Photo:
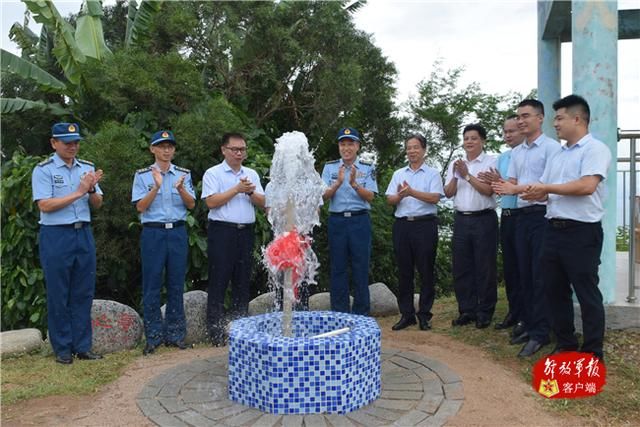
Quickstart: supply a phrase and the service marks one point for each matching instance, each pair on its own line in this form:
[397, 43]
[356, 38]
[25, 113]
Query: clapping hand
[404, 189]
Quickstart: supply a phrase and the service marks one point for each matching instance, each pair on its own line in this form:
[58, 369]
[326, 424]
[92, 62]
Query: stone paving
[416, 391]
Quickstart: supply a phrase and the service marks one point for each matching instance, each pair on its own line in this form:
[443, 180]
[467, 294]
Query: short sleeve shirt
[528, 162]
[52, 178]
[425, 179]
[346, 199]
[587, 157]
[238, 209]
[468, 198]
[168, 205]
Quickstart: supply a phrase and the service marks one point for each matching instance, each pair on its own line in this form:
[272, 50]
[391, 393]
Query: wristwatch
[250, 194]
[92, 190]
[467, 178]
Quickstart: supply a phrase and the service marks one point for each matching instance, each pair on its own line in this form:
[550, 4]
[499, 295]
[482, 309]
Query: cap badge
[165, 134]
[347, 131]
[72, 128]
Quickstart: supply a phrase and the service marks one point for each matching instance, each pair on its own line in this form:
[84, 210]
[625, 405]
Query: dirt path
[494, 396]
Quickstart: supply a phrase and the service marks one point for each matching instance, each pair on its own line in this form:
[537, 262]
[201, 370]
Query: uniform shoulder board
[366, 163]
[143, 170]
[185, 170]
[86, 162]
[332, 161]
[46, 161]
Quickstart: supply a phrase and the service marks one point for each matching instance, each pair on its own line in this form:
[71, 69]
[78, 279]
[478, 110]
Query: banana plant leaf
[24, 38]
[18, 105]
[14, 64]
[89, 34]
[65, 49]
[142, 21]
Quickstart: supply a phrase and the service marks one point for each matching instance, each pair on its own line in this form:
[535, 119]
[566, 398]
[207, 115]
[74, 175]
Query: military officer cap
[66, 132]
[349, 133]
[161, 136]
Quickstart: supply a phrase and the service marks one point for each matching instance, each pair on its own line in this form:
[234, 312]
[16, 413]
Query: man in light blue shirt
[230, 191]
[415, 190]
[528, 161]
[162, 193]
[65, 187]
[573, 185]
[508, 226]
[351, 186]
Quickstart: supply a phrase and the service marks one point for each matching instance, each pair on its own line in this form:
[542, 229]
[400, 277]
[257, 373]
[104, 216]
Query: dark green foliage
[23, 290]
[119, 151]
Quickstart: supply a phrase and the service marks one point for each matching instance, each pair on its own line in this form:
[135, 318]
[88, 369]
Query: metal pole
[632, 220]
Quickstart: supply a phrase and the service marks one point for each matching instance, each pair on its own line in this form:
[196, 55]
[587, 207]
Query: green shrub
[23, 290]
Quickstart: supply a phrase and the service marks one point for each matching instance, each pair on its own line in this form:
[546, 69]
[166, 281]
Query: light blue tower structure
[594, 28]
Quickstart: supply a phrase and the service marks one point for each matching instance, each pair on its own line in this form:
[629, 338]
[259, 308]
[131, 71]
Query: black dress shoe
[518, 329]
[482, 323]
[463, 319]
[404, 322]
[423, 323]
[520, 339]
[558, 350]
[531, 347]
[180, 344]
[64, 359]
[508, 322]
[88, 355]
[149, 349]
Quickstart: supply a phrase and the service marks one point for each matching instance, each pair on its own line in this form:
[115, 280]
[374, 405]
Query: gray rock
[383, 301]
[322, 302]
[20, 341]
[195, 313]
[116, 326]
[262, 304]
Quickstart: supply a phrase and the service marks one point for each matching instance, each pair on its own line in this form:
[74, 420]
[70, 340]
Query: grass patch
[39, 375]
[620, 399]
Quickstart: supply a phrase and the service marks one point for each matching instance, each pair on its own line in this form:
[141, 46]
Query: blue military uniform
[164, 248]
[350, 232]
[67, 249]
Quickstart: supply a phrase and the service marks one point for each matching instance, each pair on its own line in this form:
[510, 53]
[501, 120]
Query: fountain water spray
[294, 195]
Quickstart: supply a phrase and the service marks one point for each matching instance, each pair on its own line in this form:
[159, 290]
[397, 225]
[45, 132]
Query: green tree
[444, 106]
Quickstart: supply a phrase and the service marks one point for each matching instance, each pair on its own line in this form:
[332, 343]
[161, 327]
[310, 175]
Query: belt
[475, 213]
[349, 214]
[510, 212]
[429, 217]
[534, 208]
[167, 225]
[75, 225]
[231, 224]
[568, 223]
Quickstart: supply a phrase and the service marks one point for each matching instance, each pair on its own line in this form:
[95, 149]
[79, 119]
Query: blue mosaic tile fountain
[301, 374]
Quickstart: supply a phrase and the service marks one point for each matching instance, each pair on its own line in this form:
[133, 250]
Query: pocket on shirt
[60, 190]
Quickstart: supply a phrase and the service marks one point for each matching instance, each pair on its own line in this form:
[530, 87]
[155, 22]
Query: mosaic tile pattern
[300, 374]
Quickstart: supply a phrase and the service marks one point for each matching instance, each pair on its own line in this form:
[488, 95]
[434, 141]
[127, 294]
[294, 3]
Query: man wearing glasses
[230, 191]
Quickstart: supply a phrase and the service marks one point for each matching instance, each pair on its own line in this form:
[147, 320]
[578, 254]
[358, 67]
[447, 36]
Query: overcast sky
[494, 40]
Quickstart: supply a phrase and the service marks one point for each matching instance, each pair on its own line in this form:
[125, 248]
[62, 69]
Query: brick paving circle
[416, 391]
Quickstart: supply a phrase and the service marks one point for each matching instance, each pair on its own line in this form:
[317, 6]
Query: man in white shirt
[475, 231]
[230, 191]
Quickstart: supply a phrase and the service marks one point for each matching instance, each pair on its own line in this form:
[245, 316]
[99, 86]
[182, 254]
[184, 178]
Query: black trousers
[510, 268]
[415, 244]
[571, 257]
[230, 261]
[475, 249]
[530, 235]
